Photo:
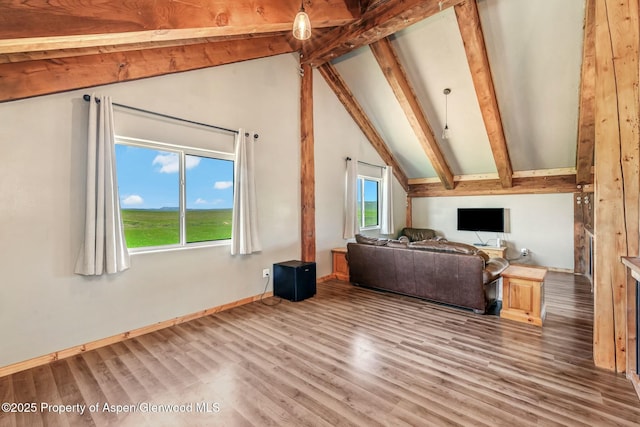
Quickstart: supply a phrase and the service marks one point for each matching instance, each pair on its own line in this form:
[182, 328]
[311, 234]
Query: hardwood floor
[348, 356]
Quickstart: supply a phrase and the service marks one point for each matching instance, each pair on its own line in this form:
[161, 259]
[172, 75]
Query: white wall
[337, 137]
[542, 223]
[42, 176]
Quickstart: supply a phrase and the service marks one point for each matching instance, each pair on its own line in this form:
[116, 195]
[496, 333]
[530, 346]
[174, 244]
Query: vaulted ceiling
[521, 73]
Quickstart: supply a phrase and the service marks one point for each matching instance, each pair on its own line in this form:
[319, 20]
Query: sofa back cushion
[445, 246]
[417, 234]
[366, 240]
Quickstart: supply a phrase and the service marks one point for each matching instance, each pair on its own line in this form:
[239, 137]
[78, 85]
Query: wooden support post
[617, 178]
[307, 171]
[409, 214]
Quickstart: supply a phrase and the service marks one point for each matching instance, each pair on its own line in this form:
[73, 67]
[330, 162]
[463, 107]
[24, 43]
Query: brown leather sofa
[445, 272]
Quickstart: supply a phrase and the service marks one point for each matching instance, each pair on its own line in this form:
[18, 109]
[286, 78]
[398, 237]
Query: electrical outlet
[265, 273]
[524, 252]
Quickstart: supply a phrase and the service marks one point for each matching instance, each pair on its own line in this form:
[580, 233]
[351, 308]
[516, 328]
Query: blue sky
[149, 179]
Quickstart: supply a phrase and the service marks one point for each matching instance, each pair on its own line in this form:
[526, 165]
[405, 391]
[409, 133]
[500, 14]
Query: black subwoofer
[294, 280]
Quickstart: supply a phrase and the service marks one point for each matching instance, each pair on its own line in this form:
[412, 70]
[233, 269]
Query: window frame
[182, 151]
[361, 181]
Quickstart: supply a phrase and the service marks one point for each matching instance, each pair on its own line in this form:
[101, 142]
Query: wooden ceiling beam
[587, 114]
[32, 78]
[475, 48]
[95, 50]
[340, 88]
[485, 187]
[381, 20]
[40, 25]
[397, 78]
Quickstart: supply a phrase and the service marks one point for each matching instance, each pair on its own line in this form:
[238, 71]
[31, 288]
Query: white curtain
[104, 249]
[244, 227]
[351, 226]
[386, 215]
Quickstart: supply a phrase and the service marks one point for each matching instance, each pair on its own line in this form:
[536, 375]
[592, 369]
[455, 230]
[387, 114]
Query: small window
[368, 200]
[173, 196]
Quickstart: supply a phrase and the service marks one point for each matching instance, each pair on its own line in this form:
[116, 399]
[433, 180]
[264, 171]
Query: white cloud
[133, 199]
[170, 162]
[200, 201]
[191, 162]
[223, 185]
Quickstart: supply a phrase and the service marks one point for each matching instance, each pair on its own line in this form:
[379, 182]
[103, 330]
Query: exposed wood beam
[617, 180]
[485, 176]
[32, 78]
[397, 78]
[41, 25]
[380, 21]
[340, 88]
[534, 185]
[67, 53]
[474, 46]
[587, 117]
[307, 168]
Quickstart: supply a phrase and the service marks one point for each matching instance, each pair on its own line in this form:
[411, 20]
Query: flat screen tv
[481, 219]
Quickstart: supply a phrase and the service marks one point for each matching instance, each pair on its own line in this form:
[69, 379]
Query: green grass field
[370, 214]
[157, 227]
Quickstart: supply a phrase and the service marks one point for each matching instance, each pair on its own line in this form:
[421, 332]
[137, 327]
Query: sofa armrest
[493, 269]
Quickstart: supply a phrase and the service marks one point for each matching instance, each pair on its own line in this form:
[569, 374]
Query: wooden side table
[523, 294]
[340, 265]
[493, 251]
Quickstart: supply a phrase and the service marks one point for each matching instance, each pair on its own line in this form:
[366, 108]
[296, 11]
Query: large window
[368, 200]
[173, 196]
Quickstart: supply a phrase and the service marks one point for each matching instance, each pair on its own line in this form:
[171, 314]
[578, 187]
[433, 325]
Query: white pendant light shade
[301, 25]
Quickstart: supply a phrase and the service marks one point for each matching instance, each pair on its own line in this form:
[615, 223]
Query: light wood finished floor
[348, 356]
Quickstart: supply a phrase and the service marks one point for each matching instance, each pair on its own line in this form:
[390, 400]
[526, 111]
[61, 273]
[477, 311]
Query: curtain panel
[244, 227]
[386, 202]
[104, 248]
[351, 226]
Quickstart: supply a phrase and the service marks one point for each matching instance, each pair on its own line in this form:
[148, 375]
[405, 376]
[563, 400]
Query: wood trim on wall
[83, 348]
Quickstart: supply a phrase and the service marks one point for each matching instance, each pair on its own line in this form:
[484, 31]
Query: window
[173, 196]
[368, 201]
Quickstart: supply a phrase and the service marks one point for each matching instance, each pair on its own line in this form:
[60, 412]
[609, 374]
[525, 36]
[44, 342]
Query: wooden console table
[340, 265]
[523, 294]
[493, 251]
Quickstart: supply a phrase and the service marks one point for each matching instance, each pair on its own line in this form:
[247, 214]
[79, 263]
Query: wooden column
[409, 213]
[617, 178]
[307, 171]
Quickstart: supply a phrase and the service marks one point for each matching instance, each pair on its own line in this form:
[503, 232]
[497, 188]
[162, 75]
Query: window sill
[156, 249]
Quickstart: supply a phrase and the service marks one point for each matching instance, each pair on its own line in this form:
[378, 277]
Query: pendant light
[301, 24]
[445, 131]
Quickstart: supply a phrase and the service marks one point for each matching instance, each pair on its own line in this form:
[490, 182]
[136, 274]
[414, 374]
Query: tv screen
[481, 219]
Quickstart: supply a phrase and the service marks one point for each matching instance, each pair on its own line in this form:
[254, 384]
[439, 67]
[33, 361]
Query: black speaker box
[294, 280]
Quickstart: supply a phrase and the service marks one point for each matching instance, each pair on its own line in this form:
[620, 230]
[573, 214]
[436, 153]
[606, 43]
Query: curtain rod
[87, 98]
[348, 159]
